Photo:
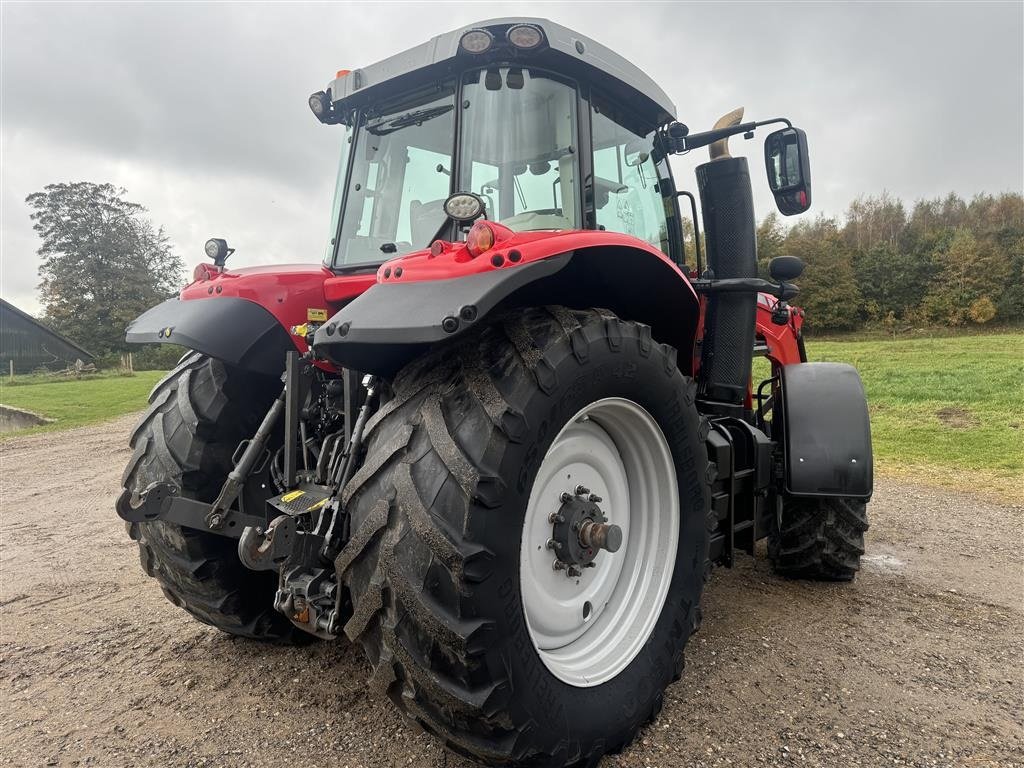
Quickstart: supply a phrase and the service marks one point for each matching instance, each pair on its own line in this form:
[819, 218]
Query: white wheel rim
[587, 629]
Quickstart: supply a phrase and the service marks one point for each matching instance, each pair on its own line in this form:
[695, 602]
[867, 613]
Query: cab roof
[562, 51]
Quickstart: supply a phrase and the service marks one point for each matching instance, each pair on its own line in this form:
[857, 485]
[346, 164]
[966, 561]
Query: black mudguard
[393, 322]
[237, 331]
[827, 432]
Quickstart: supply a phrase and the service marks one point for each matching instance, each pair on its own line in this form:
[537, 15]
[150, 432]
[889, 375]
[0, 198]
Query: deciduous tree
[103, 264]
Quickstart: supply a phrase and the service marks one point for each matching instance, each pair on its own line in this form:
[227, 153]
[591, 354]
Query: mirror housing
[783, 269]
[789, 170]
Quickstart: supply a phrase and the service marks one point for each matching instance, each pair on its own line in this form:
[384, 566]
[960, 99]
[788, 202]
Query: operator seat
[424, 221]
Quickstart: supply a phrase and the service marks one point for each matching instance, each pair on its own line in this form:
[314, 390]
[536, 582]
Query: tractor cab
[548, 129]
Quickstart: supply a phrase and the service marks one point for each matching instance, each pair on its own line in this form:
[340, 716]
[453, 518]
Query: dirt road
[919, 662]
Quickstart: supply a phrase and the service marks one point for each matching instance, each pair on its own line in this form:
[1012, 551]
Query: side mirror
[789, 170]
[785, 268]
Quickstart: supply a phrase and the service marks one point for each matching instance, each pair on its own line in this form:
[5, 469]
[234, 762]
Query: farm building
[31, 345]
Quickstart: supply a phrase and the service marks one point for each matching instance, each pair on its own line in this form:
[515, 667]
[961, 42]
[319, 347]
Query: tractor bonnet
[561, 50]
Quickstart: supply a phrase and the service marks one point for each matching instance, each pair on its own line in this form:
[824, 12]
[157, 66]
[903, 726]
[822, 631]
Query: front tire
[435, 563]
[818, 539]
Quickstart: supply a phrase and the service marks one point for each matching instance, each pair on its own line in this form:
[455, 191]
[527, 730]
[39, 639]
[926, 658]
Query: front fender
[237, 331]
[826, 431]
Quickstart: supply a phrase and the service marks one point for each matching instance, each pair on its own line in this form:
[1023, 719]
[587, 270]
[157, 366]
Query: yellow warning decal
[292, 496]
[317, 505]
[316, 315]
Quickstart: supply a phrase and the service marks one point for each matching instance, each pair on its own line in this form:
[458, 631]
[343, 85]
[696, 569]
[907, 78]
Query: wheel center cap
[579, 530]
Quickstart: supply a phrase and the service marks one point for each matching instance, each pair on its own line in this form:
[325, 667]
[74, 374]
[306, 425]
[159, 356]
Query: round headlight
[463, 206]
[476, 41]
[525, 36]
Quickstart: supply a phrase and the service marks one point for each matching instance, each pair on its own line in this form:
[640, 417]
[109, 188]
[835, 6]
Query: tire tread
[406, 567]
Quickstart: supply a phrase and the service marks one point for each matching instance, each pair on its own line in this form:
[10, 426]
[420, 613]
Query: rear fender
[237, 331]
[393, 322]
[245, 316]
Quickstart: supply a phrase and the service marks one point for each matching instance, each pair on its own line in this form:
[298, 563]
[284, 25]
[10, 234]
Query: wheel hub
[579, 531]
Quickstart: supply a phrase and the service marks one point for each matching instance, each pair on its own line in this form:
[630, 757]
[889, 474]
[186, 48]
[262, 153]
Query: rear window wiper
[384, 127]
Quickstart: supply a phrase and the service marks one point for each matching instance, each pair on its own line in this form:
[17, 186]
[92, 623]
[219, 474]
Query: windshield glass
[401, 176]
[518, 147]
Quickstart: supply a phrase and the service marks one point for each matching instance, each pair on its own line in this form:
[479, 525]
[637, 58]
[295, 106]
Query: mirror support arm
[696, 140]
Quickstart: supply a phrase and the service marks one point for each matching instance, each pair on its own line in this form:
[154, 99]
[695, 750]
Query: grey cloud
[199, 109]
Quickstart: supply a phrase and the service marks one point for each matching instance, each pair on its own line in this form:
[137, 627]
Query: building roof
[570, 47]
[4, 304]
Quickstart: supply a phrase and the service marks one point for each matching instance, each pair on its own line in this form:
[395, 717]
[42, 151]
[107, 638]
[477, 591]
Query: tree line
[946, 261]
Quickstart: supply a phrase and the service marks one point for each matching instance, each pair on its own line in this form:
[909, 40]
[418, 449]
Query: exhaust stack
[731, 240]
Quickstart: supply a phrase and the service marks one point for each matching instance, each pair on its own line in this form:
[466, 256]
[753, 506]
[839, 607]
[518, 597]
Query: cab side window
[627, 183]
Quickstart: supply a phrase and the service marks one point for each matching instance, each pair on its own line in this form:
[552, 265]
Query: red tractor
[502, 434]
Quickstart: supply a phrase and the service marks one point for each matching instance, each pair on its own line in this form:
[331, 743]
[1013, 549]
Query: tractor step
[304, 500]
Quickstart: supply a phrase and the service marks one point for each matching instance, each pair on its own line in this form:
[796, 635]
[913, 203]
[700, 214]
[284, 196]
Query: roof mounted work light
[320, 103]
[217, 249]
[476, 41]
[525, 36]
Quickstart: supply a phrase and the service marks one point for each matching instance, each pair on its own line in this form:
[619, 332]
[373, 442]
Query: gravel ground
[920, 662]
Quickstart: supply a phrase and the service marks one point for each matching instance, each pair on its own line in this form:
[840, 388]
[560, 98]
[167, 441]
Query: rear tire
[197, 415]
[819, 539]
[437, 515]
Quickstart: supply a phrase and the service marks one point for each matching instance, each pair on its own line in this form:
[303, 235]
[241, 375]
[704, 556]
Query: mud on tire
[819, 539]
[197, 415]
[437, 510]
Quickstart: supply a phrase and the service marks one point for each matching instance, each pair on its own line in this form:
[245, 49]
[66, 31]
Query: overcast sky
[199, 109]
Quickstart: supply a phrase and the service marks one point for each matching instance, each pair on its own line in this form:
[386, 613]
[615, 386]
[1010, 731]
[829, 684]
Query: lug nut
[565, 497]
[558, 565]
[595, 498]
[582, 490]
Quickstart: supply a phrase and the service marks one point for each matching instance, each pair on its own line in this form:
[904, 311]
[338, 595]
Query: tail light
[203, 272]
[480, 239]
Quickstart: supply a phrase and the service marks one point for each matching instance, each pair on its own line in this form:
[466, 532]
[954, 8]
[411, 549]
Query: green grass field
[76, 402]
[946, 410]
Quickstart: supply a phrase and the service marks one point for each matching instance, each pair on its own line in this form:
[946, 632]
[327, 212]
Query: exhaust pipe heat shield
[728, 213]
